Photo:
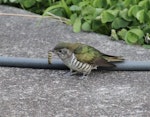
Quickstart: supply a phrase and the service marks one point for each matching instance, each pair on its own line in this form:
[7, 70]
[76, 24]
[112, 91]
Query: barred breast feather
[76, 65]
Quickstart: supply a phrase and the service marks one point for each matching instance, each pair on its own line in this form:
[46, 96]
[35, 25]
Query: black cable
[58, 64]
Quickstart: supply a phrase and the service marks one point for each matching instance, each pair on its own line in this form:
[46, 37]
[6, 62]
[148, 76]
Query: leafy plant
[37, 6]
[122, 19]
[127, 20]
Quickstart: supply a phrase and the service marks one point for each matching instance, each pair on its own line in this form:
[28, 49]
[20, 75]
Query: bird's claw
[71, 73]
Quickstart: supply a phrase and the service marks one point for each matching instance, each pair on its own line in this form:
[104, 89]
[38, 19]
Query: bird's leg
[71, 72]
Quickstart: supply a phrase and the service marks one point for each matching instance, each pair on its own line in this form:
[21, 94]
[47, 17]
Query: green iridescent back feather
[88, 54]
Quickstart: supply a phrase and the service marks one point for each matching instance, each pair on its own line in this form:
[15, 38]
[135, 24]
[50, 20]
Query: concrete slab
[49, 93]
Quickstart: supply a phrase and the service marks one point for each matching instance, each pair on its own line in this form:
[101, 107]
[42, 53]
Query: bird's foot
[85, 76]
[71, 73]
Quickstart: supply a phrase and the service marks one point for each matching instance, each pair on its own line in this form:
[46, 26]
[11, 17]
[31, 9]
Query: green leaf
[58, 12]
[144, 4]
[28, 3]
[77, 25]
[146, 29]
[98, 27]
[124, 14]
[130, 2]
[140, 16]
[100, 3]
[107, 16]
[114, 35]
[51, 8]
[73, 18]
[131, 38]
[122, 34]
[114, 12]
[134, 36]
[88, 10]
[86, 26]
[76, 1]
[84, 3]
[39, 0]
[140, 41]
[119, 23]
[98, 11]
[75, 8]
[133, 10]
[127, 2]
[13, 1]
[88, 17]
[64, 5]
[138, 32]
[67, 1]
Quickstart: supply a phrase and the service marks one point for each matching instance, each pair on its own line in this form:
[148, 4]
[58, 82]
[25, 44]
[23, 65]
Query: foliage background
[128, 20]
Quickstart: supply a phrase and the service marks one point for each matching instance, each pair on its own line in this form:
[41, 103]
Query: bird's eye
[60, 51]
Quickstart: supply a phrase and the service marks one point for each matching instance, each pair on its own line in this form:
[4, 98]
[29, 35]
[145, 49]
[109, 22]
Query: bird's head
[62, 50]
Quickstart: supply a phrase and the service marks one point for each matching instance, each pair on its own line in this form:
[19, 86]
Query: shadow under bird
[83, 58]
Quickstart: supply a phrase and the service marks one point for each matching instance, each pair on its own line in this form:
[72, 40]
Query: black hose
[58, 64]
[31, 63]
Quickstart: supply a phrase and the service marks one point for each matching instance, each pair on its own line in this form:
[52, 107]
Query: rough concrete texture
[49, 93]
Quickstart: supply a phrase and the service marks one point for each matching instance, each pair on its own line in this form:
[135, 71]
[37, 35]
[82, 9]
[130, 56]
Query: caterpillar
[49, 56]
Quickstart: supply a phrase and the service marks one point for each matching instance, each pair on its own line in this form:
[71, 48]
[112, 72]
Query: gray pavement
[49, 93]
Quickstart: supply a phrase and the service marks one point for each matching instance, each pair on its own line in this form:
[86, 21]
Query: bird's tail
[110, 58]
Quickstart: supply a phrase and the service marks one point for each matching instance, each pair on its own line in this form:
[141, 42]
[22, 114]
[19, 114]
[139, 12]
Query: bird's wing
[88, 54]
